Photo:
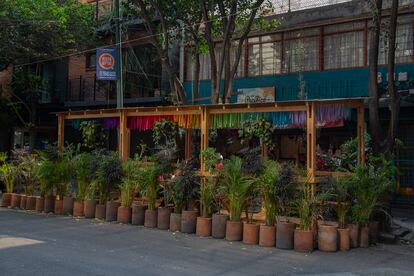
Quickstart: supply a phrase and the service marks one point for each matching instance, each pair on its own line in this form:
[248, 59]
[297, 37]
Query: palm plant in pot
[286, 193]
[127, 187]
[7, 173]
[46, 172]
[267, 187]
[177, 196]
[83, 180]
[149, 173]
[64, 176]
[204, 222]
[236, 186]
[27, 169]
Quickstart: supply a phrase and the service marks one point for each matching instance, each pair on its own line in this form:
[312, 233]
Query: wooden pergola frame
[204, 111]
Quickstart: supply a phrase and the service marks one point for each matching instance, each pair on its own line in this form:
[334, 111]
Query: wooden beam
[311, 142]
[61, 131]
[205, 125]
[361, 135]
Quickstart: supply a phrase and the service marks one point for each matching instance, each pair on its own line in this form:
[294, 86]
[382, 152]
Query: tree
[383, 140]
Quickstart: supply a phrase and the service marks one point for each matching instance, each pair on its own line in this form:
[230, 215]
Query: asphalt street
[39, 244]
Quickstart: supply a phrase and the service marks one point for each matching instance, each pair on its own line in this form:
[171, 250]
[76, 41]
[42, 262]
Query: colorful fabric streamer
[111, 123]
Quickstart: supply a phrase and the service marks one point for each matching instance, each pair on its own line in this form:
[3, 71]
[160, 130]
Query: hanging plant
[260, 129]
[93, 135]
[164, 133]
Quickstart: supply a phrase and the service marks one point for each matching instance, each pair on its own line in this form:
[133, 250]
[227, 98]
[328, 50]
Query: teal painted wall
[346, 83]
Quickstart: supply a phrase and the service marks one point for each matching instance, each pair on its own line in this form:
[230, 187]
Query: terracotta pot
[124, 214]
[328, 238]
[40, 204]
[234, 230]
[267, 235]
[23, 202]
[353, 235]
[251, 233]
[343, 239]
[138, 214]
[303, 240]
[151, 218]
[78, 209]
[203, 228]
[189, 221]
[175, 222]
[163, 218]
[68, 203]
[364, 236]
[285, 235]
[58, 207]
[49, 204]
[31, 203]
[218, 226]
[111, 211]
[373, 232]
[89, 207]
[15, 201]
[6, 199]
[100, 211]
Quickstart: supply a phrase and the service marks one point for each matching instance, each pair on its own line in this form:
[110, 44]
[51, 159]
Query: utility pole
[118, 38]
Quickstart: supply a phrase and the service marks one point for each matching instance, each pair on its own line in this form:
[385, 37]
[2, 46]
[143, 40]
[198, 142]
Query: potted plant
[127, 187]
[7, 172]
[46, 171]
[27, 168]
[286, 192]
[306, 208]
[150, 187]
[368, 186]
[164, 211]
[64, 172]
[177, 195]
[83, 180]
[236, 187]
[267, 187]
[204, 222]
[250, 228]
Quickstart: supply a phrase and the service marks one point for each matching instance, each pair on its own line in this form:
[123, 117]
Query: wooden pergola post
[361, 134]
[205, 125]
[311, 141]
[188, 143]
[124, 137]
[61, 131]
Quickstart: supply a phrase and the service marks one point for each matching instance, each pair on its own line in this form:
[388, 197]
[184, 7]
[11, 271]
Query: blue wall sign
[106, 62]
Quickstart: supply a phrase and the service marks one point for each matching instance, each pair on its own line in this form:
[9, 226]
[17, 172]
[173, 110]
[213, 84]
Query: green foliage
[27, 171]
[93, 135]
[207, 189]
[267, 186]
[185, 185]
[260, 129]
[341, 192]
[148, 173]
[46, 172]
[368, 187]
[349, 152]
[108, 172]
[306, 207]
[235, 185]
[286, 188]
[164, 134]
[7, 172]
[130, 181]
[83, 177]
[211, 157]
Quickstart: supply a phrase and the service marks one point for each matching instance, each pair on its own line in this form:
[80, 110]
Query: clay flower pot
[15, 201]
[364, 236]
[124, 214]
[267, 235]
[138, 214]
[163, 218]
[203, 228]
[285, 235]
[189, 221]
[23, 202]
[89, 207]
[327, 238]
[151, 218]
[31, 203]
[218, 226]
[111, 211]
[49, 204]
[234, 230]
[6, 199]
[58, 207]
[343, 239]
[373, 231]
[353, 235]
[251, 233]
[100, 211]
[68, 203]
[78, 209]
[175, 222]
[40, 204]
[303, 240]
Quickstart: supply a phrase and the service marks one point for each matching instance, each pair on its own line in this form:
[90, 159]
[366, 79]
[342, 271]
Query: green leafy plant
[306, 207]
[267, 186]
[108, 173]
[7, 172]
[186, 183]
[259, 129]
[164, 133]
[27, 170]
[46, 172]
[148, 174]
[211, 158]
[83, 177]
[340, 190]
[129, 183]
[236, 186]
[207, 189]
[93, 135]
[286, 188]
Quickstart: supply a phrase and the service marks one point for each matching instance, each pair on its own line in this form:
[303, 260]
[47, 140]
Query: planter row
[284, 235]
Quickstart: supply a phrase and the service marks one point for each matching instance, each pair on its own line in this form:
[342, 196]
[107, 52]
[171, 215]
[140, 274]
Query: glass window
[404, 45]
[301, 54]
[344, 27]
[344, 50]
[265, 58]
[90, 61]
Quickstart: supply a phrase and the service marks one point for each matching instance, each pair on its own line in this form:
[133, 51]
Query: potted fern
[267, 187]
[236, 187]
[7, 172]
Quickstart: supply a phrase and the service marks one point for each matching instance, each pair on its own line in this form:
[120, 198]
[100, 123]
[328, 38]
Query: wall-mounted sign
[256, 95]
[106, 60]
